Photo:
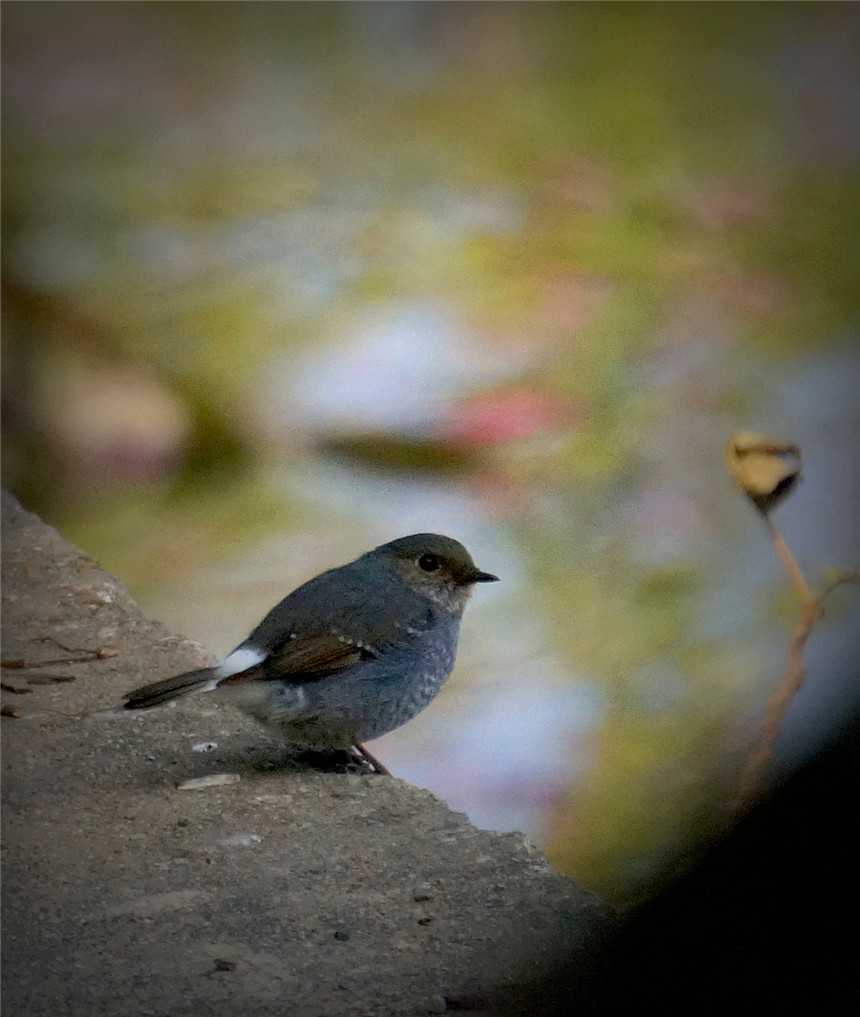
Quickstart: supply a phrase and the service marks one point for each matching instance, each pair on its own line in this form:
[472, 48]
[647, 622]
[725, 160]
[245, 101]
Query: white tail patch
[239, 660]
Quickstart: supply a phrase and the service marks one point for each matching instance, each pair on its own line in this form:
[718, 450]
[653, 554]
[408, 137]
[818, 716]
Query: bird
[349, 655]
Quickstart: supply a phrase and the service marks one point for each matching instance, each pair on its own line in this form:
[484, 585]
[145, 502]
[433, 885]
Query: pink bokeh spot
[493, 417]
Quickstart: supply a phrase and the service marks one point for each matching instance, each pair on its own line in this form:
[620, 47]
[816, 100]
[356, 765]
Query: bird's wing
[304, 658]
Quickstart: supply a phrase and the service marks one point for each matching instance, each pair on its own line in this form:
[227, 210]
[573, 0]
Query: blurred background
[285, 281]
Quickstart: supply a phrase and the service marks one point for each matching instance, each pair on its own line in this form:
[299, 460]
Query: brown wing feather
[304, 659]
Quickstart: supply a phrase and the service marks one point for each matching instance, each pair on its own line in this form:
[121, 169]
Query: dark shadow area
[763, 922]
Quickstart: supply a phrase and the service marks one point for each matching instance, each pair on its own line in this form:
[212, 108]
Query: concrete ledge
[286, 892]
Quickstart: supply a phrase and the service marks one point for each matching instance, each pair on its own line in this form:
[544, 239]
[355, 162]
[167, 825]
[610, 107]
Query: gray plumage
[351, 654]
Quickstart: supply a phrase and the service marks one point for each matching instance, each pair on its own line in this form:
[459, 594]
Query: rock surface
[286, 891]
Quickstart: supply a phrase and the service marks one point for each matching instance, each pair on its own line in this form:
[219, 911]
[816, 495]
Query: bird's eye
[428, 562]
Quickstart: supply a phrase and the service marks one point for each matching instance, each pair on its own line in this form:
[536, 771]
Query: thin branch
[798, 580]
[752, 776]
[754, 773]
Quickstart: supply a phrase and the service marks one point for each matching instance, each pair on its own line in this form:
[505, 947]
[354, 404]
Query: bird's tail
[201, 680]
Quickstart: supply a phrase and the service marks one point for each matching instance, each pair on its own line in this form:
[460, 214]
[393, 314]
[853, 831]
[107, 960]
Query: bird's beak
[484, 577]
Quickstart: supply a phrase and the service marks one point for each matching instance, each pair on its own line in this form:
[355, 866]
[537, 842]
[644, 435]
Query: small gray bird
[351, 654]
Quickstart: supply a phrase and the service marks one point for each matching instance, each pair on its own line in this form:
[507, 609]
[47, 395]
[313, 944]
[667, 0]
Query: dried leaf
[17, 685]
[49, 679]
[211, 780]
[767, 471]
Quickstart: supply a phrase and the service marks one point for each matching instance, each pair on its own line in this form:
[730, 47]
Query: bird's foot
[353, 760]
